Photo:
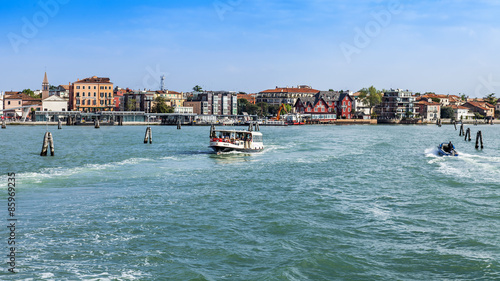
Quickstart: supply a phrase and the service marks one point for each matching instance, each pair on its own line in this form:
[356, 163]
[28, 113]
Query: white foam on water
[480, 168]
[49, 173]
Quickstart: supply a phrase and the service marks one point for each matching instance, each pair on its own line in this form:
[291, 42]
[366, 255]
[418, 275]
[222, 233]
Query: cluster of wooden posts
[467, 135]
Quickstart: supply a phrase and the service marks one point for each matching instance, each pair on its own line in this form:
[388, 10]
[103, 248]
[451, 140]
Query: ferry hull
[226, 147]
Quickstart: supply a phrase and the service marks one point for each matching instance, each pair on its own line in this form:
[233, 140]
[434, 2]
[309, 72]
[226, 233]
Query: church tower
[45, 87]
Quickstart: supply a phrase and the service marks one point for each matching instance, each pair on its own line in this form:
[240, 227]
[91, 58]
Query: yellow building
[92, 95]
[172, 98]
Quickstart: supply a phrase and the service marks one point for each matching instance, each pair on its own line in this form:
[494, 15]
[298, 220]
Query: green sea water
[320, 203]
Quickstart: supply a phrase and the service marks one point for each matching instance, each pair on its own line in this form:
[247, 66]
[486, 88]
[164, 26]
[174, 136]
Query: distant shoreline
[338, 122]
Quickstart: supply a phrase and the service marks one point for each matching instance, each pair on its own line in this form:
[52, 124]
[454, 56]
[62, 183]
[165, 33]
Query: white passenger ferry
[236, 140]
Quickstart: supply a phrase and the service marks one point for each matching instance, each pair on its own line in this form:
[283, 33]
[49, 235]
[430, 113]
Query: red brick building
[326, 106]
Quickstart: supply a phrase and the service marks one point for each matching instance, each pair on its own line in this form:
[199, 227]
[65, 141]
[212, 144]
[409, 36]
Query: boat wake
[478, 168]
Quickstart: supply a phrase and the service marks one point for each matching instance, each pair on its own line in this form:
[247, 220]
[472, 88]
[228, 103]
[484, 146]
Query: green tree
[438, 100]
[160, 105]
[263, 109]
[131, 105]
[30, 93]
[371, 96]
[447, 112]
[242, 106]
[197, 88]
[463, 97]
[491, 99]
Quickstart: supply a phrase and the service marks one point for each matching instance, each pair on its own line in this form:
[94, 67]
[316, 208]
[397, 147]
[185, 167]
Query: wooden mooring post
[461, 130]
[96, 123]
[47, 141]
[149, 136]
[479, 137]
[455, 124]
[4, 125]
[59, 124]
[467, 133]
[178, 124]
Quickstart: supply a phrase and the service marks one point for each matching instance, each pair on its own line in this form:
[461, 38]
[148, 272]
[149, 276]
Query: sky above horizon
[444, 46]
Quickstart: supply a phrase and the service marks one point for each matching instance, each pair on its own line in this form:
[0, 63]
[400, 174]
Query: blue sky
[446, 46]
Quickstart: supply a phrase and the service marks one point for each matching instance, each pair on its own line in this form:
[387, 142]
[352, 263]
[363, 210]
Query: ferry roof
[238, 131]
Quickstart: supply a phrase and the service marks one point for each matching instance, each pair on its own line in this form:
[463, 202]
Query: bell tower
[45, 87]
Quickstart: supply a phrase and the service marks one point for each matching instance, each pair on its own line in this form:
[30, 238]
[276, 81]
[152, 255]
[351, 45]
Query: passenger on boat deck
[450, 147]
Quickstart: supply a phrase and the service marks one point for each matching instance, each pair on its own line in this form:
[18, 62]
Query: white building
[54, 103]
[461, 112]
[183, 110]
[1, 103]
[359, 106]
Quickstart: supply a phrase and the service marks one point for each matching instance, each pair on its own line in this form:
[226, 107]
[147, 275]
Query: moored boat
[444, 149]
[236, 140]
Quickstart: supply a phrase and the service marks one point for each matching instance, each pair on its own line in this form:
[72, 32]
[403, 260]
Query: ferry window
[257, 138]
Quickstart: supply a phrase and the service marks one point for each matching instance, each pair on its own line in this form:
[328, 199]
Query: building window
[95, 87]
[9, 102]
[102, 87]
[94, 94]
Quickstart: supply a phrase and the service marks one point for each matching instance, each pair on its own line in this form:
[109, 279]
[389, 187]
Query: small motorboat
[444, 149]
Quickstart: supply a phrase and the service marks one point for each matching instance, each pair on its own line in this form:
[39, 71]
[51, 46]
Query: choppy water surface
[320, 203]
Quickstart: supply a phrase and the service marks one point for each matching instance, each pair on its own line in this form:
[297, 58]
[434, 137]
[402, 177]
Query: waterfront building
[214, 103]
[55, 103]
[396, 104]
[360, 108]
[428, 109]
[286, 95]
[195, 105]
[183, 110]
[14, 100]
[61, 91]
[497, 106]
[461, 112]
[118, 98]
[456, 100]
[1, 103]
[138, 101]
[251, 98]
[483, 108]
[92, 95]
[326, 105]
[172, 98]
